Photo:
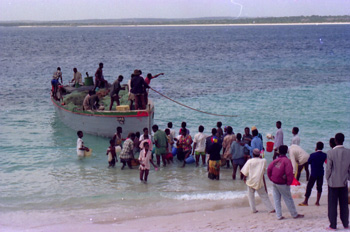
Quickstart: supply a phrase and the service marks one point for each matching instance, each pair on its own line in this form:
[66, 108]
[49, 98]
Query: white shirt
[199, 139]
[172, 134]
[254, 169]
[142, 137]
[298, 156]
[80, 144]
[145, 159]
[279, 138]
[78, 78]
[295, 140]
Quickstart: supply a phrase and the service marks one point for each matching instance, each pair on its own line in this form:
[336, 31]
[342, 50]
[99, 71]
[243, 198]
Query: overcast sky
[48, 10]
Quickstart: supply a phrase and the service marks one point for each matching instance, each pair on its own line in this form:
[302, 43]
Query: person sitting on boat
[138, 86]
[86, 102]
[100, 81]
[77, 78]
[94, 101]
[116, 87]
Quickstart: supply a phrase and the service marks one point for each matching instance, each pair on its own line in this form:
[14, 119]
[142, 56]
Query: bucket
[88, 81]
[269, 146]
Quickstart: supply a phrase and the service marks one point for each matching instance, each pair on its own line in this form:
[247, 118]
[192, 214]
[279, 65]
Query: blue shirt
[256, 143]
[316, 161]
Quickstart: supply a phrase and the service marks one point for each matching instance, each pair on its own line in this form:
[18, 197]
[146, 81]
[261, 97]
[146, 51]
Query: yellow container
[123, 108]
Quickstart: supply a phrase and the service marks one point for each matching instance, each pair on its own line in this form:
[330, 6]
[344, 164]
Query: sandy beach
[217, 216]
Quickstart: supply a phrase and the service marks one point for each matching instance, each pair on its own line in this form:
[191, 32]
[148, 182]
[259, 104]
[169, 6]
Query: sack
[180, 154]
[295, 182]
[110, 157]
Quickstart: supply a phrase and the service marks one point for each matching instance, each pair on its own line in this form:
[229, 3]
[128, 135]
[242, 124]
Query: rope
[220, 115]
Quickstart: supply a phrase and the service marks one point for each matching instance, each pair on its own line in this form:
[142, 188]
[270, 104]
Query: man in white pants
[254, 169]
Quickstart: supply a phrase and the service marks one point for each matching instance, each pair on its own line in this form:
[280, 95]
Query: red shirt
[280, 171]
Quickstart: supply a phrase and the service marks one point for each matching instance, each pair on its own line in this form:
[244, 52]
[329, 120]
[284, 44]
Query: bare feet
[256, 211]
[273, 211]
[281, 218]
[317, 203]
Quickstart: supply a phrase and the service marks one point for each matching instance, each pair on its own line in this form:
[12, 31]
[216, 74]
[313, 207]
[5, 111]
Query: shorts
[54, 82]
[239, 161]
[199, 153]
[160, 151]
[131, 97]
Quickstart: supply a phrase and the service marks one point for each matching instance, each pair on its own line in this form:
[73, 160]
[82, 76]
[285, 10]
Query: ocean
[299, 75]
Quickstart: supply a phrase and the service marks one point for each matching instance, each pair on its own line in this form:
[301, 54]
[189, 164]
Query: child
[137, 142]
[80, 145]
[170, 140]
[146, 140]
[118, 137]
[145, 158]
[112, 156]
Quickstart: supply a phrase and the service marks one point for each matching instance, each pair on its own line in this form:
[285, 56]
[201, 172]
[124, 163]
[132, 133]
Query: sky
[53, 10]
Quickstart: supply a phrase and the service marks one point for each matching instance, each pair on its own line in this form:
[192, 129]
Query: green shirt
[161, 140]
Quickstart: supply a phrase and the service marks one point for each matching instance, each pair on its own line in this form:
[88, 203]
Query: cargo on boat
[102, 121]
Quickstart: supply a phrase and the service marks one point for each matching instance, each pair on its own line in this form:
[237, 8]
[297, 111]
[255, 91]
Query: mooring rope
[204, 112]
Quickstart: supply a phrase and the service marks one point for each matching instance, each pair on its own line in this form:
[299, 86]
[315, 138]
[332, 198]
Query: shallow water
[262, 74]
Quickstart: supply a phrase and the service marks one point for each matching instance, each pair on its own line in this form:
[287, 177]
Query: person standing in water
[80, 145]
[145, 159]
[199, 145]
[213, 148]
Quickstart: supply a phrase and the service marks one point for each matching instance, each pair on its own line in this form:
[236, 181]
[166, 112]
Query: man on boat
[138, 86]
[55, 82]
[100, 81]
[77, 78]
[116, 87]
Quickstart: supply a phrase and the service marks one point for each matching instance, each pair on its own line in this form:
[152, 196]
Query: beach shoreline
[230, 217]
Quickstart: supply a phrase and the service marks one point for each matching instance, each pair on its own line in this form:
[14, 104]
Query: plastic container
[174, 151]
[88, 81]
[123, 108]
[269, 146]
[190, 160]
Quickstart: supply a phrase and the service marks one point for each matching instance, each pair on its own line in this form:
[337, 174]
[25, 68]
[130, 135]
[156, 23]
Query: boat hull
[105, 123]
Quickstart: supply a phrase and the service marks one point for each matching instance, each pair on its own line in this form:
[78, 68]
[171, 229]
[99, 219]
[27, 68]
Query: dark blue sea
[299, 75]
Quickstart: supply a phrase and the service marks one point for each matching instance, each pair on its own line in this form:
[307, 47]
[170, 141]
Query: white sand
[229, 216]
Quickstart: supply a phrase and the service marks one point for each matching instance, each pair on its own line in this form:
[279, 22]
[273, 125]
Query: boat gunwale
[112, 114]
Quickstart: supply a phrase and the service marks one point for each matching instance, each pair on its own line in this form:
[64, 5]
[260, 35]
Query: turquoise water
[261, 74]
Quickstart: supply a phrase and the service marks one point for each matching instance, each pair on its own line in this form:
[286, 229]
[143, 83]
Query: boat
[101, 122]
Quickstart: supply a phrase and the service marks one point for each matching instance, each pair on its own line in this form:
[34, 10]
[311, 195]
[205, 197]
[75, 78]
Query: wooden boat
[101, 122]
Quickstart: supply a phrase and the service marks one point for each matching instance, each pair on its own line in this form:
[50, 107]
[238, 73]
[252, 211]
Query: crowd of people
[223, 147]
